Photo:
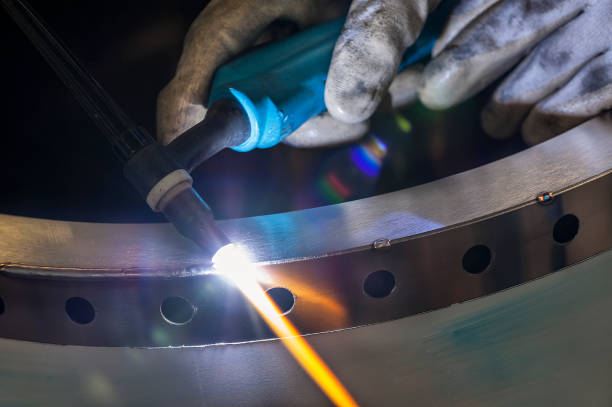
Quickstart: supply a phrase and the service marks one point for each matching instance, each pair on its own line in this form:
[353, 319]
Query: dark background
[55, 164]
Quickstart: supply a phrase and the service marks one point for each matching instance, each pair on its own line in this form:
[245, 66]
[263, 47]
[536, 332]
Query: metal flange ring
[352, 264]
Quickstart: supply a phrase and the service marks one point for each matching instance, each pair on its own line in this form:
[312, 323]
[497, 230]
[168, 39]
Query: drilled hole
[177, 310]
[379, 284]
[80, 310]
[477, 259]
[566, 229]
[283, 298]
[1, 306]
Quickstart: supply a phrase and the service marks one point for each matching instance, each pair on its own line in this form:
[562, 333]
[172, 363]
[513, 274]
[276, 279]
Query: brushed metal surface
[538, 344]
[127, 271]
[329, 290]
[562, 162]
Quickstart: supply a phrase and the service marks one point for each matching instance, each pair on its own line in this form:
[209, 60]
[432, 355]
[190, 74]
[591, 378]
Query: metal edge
[538, 338]
[581, 154]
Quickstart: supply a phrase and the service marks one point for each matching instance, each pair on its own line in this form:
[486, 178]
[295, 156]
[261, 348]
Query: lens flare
[368, 156]
[234, 264]
[402, 122]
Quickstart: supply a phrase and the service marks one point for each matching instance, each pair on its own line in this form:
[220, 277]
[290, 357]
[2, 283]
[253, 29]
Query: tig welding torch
[159, 173]
[255, 102]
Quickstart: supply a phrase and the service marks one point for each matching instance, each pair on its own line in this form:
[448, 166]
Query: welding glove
[365, 60]
[565, 76]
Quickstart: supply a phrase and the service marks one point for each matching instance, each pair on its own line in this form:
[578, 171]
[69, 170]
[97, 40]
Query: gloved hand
[565, 78]
[365, 61]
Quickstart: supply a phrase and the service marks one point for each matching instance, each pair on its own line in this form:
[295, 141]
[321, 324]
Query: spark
[233, 263]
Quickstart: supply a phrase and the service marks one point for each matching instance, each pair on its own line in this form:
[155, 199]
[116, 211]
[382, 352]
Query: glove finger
[547, 68]
[585, 96]
[324, 131]
[489, 47]
[404, 88]
[462, 15]
[223, 29]
[368, 52]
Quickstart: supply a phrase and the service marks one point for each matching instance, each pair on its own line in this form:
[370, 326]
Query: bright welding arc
[234, 264]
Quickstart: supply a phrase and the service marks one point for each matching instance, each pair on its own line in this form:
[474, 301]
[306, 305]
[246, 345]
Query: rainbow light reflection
[368, 156]
[342, 183]
[233, 263]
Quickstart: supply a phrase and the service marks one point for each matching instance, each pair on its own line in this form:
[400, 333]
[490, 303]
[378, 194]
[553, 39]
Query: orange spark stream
[234, 265]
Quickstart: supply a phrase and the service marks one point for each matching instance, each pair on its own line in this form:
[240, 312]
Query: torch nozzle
[193, 219]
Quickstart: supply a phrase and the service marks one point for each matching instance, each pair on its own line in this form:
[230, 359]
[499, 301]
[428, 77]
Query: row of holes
[179, 311]
[476, 259]
[174, 310]
[379, 284]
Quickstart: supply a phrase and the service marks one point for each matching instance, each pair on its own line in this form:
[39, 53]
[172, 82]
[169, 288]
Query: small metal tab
[382, 243]
[545, 198]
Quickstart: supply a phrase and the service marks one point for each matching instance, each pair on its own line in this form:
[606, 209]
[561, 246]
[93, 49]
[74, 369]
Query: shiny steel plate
[322, 255]
[546, 343]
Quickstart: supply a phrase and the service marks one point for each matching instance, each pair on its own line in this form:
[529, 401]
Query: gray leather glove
[565, 76]
[365, 61]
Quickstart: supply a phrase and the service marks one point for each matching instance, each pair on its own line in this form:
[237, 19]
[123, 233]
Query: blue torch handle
[280, 86]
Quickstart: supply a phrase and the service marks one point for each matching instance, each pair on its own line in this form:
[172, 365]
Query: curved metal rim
[564, 162]
[537, 338]
[322, 255]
